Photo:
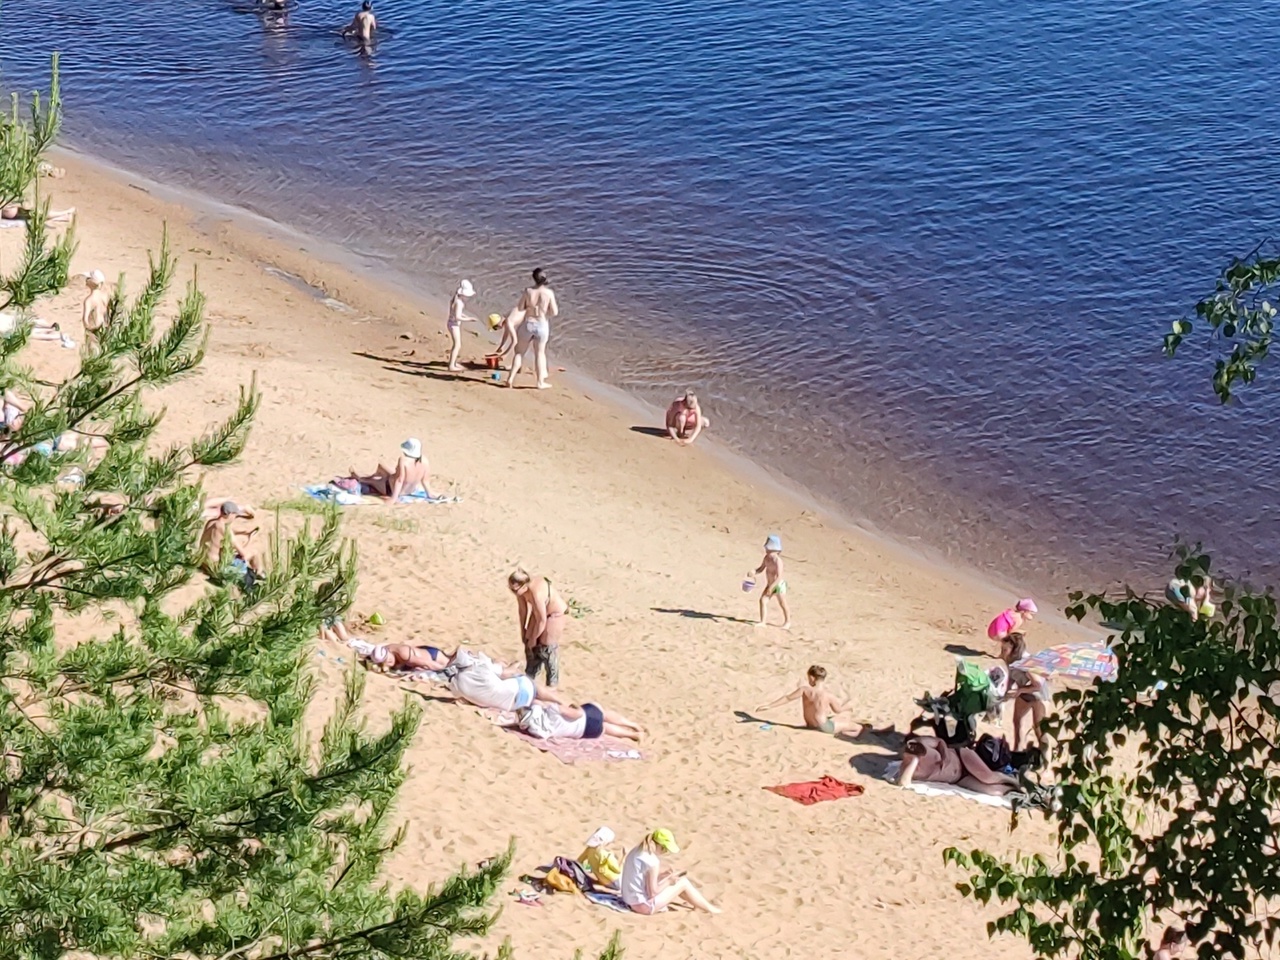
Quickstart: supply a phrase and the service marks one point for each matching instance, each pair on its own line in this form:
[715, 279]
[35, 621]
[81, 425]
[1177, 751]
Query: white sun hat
[96, 278]
[412, 448]
[465, 289]
[600, 838]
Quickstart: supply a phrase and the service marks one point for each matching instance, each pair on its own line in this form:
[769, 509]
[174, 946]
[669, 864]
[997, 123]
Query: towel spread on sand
[601, 749]
[815, 791]
[328, 493]
[610, 900]
[947, 789]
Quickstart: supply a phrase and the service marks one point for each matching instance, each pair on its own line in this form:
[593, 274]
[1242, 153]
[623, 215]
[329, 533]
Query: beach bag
[574, 871]
[972, 694]
[558, 881]
[994, 752]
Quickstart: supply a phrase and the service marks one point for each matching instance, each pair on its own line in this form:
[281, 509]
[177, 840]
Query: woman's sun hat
[1027, 605]
[600, 838]
[412, 448]
[465, 289]
[665, 839]
[773, 544]
[95, 277]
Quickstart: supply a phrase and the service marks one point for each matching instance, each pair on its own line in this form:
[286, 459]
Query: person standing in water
[363, 24]
[457, 315]
[538, 304]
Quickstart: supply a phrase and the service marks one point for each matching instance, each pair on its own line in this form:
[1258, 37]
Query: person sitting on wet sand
[571, 721]
[1015, 618]
[931, 760]
[1194, 600]
[821, 708]
[685, 420]
[412, 474]
[648, 889]
[247, 554]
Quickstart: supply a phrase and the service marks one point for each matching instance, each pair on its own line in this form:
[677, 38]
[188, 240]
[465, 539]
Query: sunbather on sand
[217, 530]
[497, 686]
[930, 760]
[571, 721]
[821, 708]
[411, 474]
[391, 657]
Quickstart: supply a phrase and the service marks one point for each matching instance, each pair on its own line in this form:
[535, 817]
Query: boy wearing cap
[216, 532]
[774, 584]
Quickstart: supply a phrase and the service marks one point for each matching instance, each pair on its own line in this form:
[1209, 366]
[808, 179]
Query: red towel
[815, 791]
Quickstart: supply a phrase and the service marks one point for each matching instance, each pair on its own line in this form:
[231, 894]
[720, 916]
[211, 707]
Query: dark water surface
[915, 255]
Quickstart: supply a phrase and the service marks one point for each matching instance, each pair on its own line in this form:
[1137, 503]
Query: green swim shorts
[778, 588]
[827, 726]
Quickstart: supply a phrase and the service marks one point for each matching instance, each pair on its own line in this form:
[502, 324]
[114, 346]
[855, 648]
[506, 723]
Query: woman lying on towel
[931, 760]
[569, 721]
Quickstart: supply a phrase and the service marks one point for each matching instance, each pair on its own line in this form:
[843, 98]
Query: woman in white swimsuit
[457, 315]
[538, 303]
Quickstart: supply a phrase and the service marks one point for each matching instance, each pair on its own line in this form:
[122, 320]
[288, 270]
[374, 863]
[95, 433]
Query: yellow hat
[664, 839]
[495, 321]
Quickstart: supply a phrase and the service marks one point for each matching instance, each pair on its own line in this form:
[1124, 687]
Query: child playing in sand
[821, 708]
[774, 584]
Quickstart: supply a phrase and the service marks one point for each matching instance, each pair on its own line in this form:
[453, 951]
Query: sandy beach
[650, 541]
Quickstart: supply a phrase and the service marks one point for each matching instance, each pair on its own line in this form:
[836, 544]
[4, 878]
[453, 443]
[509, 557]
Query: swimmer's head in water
[540, 277]
[518, 580]
[817, 674]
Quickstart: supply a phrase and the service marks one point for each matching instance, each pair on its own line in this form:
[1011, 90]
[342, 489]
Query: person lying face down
[931, 760]
[570, 721]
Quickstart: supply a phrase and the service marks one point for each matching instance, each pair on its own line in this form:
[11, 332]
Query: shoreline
[323, 269]
[651, 542]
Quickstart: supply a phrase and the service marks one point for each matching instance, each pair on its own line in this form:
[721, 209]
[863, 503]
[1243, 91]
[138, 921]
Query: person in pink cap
[1013, 619]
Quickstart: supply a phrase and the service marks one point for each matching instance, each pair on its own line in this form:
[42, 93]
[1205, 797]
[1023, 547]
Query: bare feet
[544, 386]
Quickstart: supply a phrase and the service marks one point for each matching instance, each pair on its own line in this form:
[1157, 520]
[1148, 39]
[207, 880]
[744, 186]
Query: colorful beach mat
[1084, 662]
[327, 493]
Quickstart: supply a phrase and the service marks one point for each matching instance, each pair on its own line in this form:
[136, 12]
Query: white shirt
[478, 681]
[634, 883]
[546, 722]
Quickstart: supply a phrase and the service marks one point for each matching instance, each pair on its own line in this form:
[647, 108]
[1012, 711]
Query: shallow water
[916, 256]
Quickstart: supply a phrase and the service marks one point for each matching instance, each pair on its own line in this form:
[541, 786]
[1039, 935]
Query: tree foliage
[1170, 778]
[160, 795]
[1240, 317]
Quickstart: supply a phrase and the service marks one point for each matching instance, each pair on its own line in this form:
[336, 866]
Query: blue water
[916, 256]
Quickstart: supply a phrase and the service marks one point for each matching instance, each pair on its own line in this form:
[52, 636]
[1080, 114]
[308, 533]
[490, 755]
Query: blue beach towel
[327, 493]
[610, 900]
